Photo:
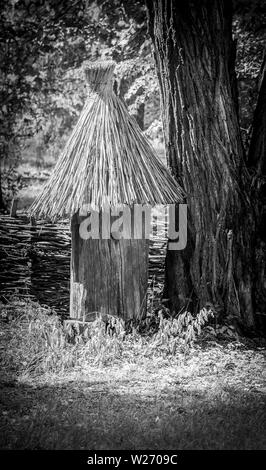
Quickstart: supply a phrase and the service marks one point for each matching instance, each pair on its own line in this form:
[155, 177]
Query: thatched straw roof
[107, 159]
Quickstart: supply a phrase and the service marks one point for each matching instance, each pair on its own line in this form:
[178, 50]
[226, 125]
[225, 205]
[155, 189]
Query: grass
[111, 390]
[39, 343]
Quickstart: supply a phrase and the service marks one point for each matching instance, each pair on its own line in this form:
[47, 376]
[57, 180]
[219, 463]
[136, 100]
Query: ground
[210, 396]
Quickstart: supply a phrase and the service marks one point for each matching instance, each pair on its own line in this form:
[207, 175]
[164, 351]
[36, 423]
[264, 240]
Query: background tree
[194, 53]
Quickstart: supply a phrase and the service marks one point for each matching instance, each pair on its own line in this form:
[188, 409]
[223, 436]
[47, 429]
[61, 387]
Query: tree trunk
[2, 204]
[257, 149]
[193, 52]
[121, 90]
[257, 165]
[139, 115]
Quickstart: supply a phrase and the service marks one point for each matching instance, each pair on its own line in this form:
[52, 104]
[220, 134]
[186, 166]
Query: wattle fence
[35, 261]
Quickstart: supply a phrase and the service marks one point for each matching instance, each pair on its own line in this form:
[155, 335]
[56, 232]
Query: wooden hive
[107, 165]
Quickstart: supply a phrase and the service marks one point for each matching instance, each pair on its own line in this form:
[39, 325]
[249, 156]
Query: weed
[56, 394]
[39, 342]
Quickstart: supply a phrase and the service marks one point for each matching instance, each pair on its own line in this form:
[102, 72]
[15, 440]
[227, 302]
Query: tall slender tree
[194, 54]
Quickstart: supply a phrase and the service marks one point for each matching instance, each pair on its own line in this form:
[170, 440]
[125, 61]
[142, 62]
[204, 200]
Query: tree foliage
[44, 44]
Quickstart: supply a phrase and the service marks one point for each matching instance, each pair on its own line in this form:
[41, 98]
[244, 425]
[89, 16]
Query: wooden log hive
[106, 165]
[108, 276]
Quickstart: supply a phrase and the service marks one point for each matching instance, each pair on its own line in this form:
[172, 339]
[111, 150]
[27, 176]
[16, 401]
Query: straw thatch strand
[107, 160]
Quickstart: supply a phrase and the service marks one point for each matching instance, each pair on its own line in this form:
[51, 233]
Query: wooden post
[33, 258]
[14, 205]
[108, 276]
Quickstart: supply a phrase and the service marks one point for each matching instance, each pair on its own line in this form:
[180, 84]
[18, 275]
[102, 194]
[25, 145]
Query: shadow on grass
[84, 415]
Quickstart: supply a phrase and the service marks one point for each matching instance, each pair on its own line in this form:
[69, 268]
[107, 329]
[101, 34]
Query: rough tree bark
[257, 167]
[193, 52]
[2, 205]
[121, 89]
[257, 149]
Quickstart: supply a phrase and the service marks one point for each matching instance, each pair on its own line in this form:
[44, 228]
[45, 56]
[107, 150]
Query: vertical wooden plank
[108, 276]
[14, 206]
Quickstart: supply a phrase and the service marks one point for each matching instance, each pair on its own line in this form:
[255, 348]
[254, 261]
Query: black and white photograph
[132, 247]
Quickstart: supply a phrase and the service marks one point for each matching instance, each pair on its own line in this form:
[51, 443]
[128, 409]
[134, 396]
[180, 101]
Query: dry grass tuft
[40, 343]
[104, 389]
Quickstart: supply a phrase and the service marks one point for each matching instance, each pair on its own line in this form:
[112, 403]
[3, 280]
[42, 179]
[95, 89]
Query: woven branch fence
[35, 261]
